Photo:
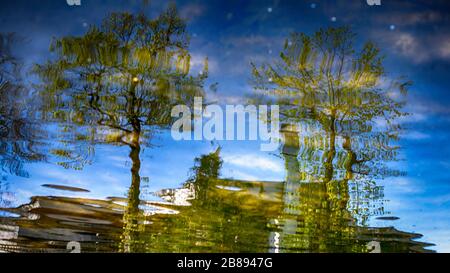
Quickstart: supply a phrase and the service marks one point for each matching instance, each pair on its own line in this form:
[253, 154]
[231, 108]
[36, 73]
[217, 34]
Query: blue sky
[414, 36]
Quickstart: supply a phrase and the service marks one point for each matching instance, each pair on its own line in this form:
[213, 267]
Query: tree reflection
[338, 95]
[322, 80]
[117, 84]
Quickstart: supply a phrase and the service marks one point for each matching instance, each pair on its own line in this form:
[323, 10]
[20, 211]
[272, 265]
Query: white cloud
[198, 63]
[444, 49]
[252, 40]
[243, 176]
[415, 135]
[410, 18]
[402, 185]
[414, 117]
[190, 11]
[407, 45]
[223, 98]
[418, 48]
